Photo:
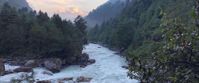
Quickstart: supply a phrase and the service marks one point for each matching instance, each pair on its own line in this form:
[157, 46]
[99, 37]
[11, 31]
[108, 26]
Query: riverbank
[106, 69]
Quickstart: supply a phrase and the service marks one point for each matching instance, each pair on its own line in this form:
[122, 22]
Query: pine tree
[80, 23]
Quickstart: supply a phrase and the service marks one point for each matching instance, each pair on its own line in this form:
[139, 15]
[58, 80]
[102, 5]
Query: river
[107, 69]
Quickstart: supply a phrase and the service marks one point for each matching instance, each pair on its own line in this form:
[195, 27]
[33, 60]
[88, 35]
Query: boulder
[88, 62]
[23, 69]
[83, 65]
[83, 60]
[84, 57]
[2, 67]
[125, 67]
[65, 79]
[44, 81]
[8, 72]
[83, 79]
[53, 65]
[91, 61]
[31, 63]
[47, 73]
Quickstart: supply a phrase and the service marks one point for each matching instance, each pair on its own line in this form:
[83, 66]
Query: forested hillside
[29, 35]
[16, 3]
[139, 20]
[105, 12]
[158, 37]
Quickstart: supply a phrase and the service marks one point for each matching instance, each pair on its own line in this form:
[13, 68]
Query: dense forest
[30, 35]
[158, 37]
[16, 3]
[102, 13]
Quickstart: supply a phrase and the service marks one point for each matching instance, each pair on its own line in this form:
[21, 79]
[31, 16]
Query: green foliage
[139, 19]
[27, 34]
[80, 23]
[174, 58]
[160, 49]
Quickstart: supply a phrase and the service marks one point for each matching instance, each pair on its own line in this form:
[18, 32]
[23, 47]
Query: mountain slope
[139, 20]
[158, 37]
[16, 3]
[105, 12]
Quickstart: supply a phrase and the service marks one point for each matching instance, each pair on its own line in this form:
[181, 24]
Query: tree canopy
[36, 35]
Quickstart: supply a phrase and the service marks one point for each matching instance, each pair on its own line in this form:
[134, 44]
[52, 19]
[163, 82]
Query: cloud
[77, 11]
[66, 8]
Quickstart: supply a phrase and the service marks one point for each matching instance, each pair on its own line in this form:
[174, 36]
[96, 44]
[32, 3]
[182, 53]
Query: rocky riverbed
[108, 68]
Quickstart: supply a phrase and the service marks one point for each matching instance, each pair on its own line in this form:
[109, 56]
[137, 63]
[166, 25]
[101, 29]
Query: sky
[67, 9]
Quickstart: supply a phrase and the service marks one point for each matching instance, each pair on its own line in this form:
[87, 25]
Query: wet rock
[66, 79]
[84, 57]
[91, 61]
[44, 81]
[60, 81]
[47, 73]
[53, 65]
[31, 63]
[83, 79]
[125, 67]
[2, 67]
[83, 65]
[8, 72]
[16, 62]
[83, 60]
[23, 69]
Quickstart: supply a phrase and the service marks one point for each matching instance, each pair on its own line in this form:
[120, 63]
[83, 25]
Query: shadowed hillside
[105, 12]
[16, 3]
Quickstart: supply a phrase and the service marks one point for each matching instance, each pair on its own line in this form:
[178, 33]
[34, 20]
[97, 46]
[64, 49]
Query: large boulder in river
[84, 58]
[31, 63]
[53, 64]
[83, 79]
[44, 81]
[23, 69]
[2, 67]
[67, 79]
[91, 61]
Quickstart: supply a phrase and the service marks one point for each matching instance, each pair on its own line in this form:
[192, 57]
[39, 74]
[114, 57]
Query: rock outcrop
[83, 79]
[31, 63]
[2, 67]
[53, 64]
[44, 81]
[23, 69]
[91, 61]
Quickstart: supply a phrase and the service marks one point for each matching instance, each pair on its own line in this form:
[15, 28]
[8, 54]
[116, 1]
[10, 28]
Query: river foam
[107, 69]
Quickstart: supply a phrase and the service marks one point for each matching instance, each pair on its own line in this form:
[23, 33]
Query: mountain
[139, 20]
[16, 3]
[158, 37]
[114, 1]
[105, 12]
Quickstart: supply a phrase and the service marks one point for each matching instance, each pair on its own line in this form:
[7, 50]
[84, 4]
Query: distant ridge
[16, 3]
[105, 12]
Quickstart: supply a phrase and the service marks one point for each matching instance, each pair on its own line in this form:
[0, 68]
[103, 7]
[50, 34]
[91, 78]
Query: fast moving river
[107, 69]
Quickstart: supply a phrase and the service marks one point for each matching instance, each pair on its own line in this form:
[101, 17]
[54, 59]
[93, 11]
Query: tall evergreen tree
[27, 34]
[80, 23]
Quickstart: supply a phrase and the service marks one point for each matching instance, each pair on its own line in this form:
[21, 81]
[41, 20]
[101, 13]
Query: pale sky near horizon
[66, 8]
